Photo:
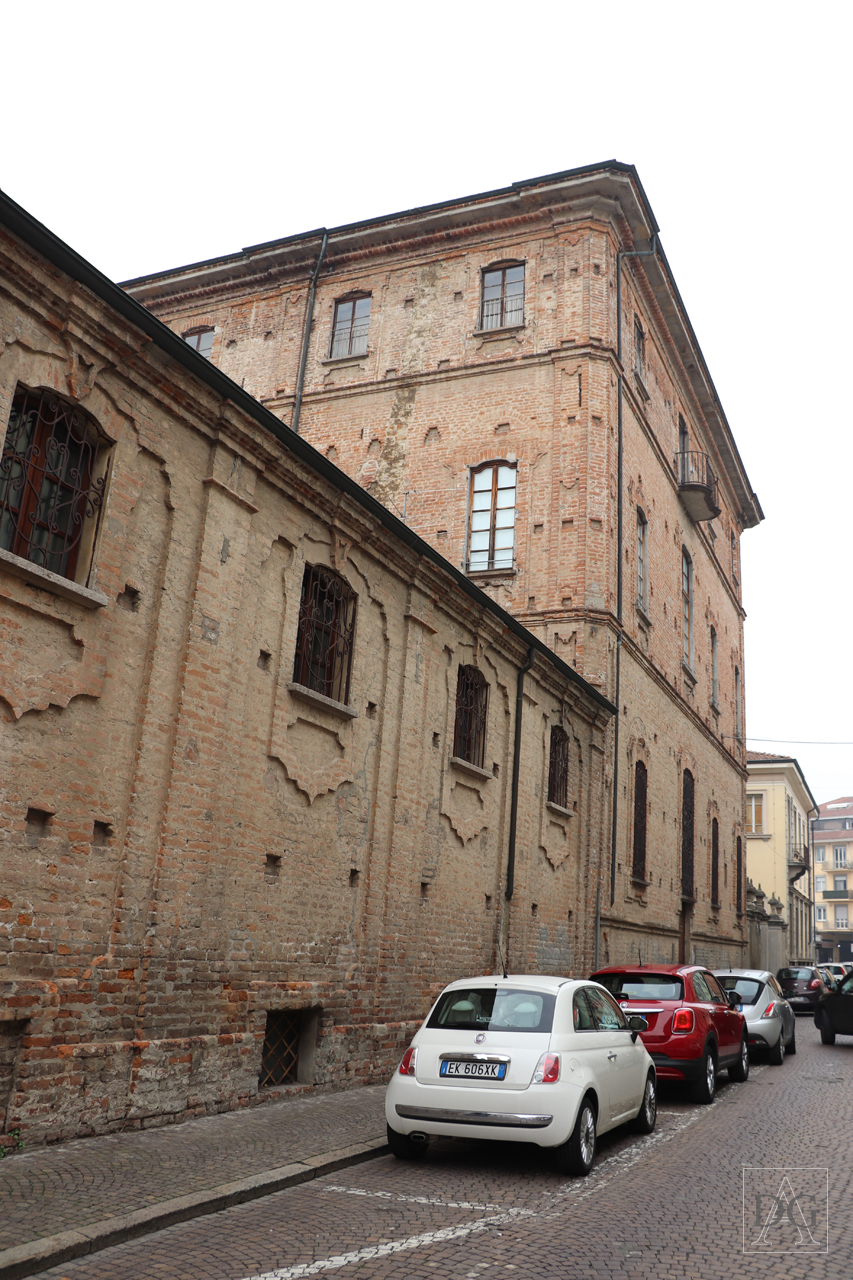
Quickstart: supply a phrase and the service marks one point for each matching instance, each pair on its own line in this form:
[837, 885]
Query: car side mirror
[734, 999]
[636, 1025]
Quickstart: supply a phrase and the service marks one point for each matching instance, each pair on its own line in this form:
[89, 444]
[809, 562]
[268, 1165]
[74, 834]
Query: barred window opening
[687, 801]
[280, 1056]
[52, 481]
[472, 697]
[503, 297]
[715, 861]
[638, 869]
[324, 640]
[491, 543]
[349, 333]
[558, 767]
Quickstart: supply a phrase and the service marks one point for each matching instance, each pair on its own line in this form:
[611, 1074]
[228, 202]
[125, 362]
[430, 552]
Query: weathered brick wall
[185, 843]
[432, 397]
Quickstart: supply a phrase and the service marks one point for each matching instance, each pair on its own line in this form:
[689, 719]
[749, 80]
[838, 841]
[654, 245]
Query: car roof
[537, 981]
[652, 968]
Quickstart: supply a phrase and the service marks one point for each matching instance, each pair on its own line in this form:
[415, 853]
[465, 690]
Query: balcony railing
[697, 485]
[843, 894]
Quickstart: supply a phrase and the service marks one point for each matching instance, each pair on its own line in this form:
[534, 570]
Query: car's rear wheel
[792, 1043]
[404, 1147]
[578, 1154]
[705, 1088]
[777, 1053]
[648, 1113]
[739, 1071]
[827, 1034]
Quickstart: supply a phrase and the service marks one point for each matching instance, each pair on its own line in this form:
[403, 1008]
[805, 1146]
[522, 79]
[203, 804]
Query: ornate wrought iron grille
[325, 636]
[47, 490]
[715, 861]
[739, 875]
[280, 1056]
[641, 782]
[558, 767]
[687, 890]
[472, 697]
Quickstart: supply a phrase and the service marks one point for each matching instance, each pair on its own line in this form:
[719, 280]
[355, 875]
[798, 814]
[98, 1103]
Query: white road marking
[389, 1195]
[393, 1246]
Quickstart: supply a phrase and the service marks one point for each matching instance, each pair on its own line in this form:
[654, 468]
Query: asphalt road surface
[759, 1183]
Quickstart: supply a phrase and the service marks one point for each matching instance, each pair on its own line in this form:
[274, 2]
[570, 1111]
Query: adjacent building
[832, 838]
[272, 769]
[779, 809]
[515, 374]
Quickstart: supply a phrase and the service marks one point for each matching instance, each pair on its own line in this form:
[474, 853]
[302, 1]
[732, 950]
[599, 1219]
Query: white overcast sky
[148, 136]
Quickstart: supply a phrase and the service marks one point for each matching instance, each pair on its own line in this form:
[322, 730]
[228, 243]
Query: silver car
[770, 1020]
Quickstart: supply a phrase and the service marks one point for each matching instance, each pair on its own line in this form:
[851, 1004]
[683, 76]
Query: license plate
[797, 999]
[473, 1070]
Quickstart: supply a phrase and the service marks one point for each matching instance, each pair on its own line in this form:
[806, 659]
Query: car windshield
[642, 986]
[493, 1009]
[795, 975]
[749, 989]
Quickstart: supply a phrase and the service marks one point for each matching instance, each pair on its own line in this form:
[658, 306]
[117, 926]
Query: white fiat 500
[552, 1061]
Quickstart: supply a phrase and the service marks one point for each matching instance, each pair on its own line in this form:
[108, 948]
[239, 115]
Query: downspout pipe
[620, 520]
[516, 770]
[306, 335]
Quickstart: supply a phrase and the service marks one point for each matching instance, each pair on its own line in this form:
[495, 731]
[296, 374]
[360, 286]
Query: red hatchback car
[694, 1031]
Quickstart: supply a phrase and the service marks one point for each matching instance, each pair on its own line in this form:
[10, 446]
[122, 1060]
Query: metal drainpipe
[623, 253]
[513, 811]
[306, 336]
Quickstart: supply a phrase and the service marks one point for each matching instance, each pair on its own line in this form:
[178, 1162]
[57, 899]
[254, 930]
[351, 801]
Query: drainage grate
[281, 1047]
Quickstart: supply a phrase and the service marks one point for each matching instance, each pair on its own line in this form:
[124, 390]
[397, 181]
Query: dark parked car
[802, 987]
[834, 1013]
[694, 1031]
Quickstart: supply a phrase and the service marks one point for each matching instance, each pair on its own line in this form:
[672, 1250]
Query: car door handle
[611, 1057]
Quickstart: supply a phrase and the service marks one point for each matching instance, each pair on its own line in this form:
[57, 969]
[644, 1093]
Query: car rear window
[795, 975]
[493, 1009]
[642, 986]
[748, 989]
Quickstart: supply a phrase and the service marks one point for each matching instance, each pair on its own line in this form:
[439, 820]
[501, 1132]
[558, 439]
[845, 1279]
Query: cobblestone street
[666, 1205]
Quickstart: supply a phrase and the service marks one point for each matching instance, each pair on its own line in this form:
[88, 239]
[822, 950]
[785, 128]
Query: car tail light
[407, 1066]
[814, 984]
[547, 1069]
[768, 1012]
[683, 1020]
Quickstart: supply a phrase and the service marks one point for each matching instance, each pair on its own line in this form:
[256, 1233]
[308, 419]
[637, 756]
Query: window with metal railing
[558, 767]
[472, 701]
[52, 483]
[502, 300]
[349, 332]
[324, 640]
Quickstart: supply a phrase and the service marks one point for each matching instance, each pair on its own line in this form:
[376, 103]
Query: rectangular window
[472, 701]
[738, 720]
[715, 862]
[735, 569]
[739, 875]
[820, 914]
[715, 681]
[839, 855]
[52, 482]
[687, 609]
[558, 768]
[683, 436]
[352, 321]
[503, 297]
[839, 882]
[641, 789]
[820, 884]
[754, 815]
[201, 340]
[841, 917]
[491, 542]
[639, 349]
[325, 636]
[642, 560]
[687, 810]
[280, 1055]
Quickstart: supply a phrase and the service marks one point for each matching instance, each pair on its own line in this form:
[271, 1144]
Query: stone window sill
[558, 808]
[690, 674]
[757, 835]
[639, 883]
[44, 580]
[473, 769]
[345, 359]
[498, 333]
[491, 575]
[644, 618]
[320, 700]
[641, 386]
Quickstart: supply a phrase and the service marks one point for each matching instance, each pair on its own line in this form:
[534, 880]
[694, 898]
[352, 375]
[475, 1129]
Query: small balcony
[697, 485]
[842, 894]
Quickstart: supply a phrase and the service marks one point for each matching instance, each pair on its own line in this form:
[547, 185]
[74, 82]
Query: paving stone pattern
[53, 1189]
[666, 1206]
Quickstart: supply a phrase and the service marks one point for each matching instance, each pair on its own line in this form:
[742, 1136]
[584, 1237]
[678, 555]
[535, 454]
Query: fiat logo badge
[479, 1037]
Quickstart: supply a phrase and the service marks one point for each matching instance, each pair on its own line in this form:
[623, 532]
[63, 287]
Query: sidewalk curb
[51, 1251]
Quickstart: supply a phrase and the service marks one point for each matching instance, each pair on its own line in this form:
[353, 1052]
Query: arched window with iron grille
[638, 866]
[52, 482]
[472, 700]
[687, 823]
[324, 639]
[558, 767]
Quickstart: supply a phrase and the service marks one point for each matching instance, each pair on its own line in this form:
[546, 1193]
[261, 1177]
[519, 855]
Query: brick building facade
[515, 372]
[259, 742]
